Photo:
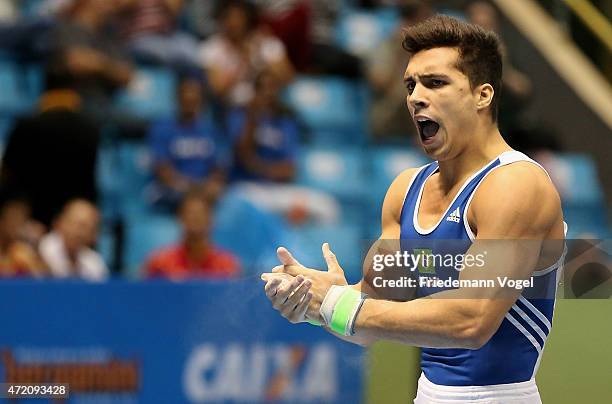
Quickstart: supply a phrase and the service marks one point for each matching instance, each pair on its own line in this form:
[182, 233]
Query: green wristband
[344, 310]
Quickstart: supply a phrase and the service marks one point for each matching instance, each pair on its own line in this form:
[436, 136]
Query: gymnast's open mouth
[427, 127]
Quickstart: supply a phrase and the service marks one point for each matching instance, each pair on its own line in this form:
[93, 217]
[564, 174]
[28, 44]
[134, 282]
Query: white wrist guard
[340, 308]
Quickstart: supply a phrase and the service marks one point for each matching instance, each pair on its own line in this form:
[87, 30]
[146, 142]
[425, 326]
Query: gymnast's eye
[410, 84]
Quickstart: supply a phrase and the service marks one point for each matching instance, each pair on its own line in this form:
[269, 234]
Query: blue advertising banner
[163, 342]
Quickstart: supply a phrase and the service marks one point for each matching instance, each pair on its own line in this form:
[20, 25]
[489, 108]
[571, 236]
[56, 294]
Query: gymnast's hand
[296, 291]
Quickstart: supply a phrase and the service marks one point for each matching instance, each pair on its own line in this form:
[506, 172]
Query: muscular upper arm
[515, 209]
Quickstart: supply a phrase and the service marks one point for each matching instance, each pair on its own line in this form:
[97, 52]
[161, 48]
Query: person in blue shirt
[266, 145]
[266, 135]
[185, 149]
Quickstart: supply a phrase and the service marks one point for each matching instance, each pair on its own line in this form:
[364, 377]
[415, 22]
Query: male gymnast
[476, 348]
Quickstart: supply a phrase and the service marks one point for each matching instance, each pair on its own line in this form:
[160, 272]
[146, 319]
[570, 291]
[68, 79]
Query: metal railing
[599, 25]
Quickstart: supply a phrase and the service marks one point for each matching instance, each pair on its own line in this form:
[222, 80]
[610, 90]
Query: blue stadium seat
[337, 138]
[250, 233]
[135, 173]
[35, 79]
[337, 171]
[359, 32]
[580, 231]
[331, 105]
[108, 180]
[15, 97]
[387, 163]
[584, 217]
[575, 176]
[345, 241]
[143, 235]
[29, 8]
[151, 94]
[341, 173]
[106, 245]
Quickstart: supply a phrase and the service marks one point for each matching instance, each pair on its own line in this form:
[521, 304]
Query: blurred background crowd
[189, 138]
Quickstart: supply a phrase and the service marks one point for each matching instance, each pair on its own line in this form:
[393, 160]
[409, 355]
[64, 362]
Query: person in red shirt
[195, 256]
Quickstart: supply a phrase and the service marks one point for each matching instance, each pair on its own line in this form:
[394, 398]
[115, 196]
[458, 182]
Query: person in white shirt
[233, 57]
[66, 249]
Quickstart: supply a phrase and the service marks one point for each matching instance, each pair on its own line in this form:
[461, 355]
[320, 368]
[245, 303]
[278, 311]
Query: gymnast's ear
[484, 94]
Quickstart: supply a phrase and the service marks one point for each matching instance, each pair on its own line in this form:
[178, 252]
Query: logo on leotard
[425, 264]
[455, 216]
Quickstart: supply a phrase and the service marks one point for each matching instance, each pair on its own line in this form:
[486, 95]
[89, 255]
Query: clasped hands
[297, 292]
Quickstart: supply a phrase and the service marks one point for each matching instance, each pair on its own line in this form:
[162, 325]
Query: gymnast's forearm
[435, 323]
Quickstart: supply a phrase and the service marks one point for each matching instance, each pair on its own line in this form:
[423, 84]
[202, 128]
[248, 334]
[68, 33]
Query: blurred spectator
[51, 155]
[266, 156]
[517, 87]
[234, 56]
[150, 29]
[67, 248]
[327, 57]
[195, 256]
[89, 55]
[290, 20]
[267, 135]
[185, 149]
[388, 114]
[17, 258]
[307, 28]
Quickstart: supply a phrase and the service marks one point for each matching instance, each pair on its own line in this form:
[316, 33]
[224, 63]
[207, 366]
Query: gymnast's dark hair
[480, 57]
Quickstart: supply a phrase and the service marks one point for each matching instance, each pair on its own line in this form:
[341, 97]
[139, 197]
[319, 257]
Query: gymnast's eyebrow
[427, 76]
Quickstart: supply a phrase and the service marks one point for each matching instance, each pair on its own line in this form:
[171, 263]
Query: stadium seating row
[326, 105]
[124, 172]
[357, 178]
